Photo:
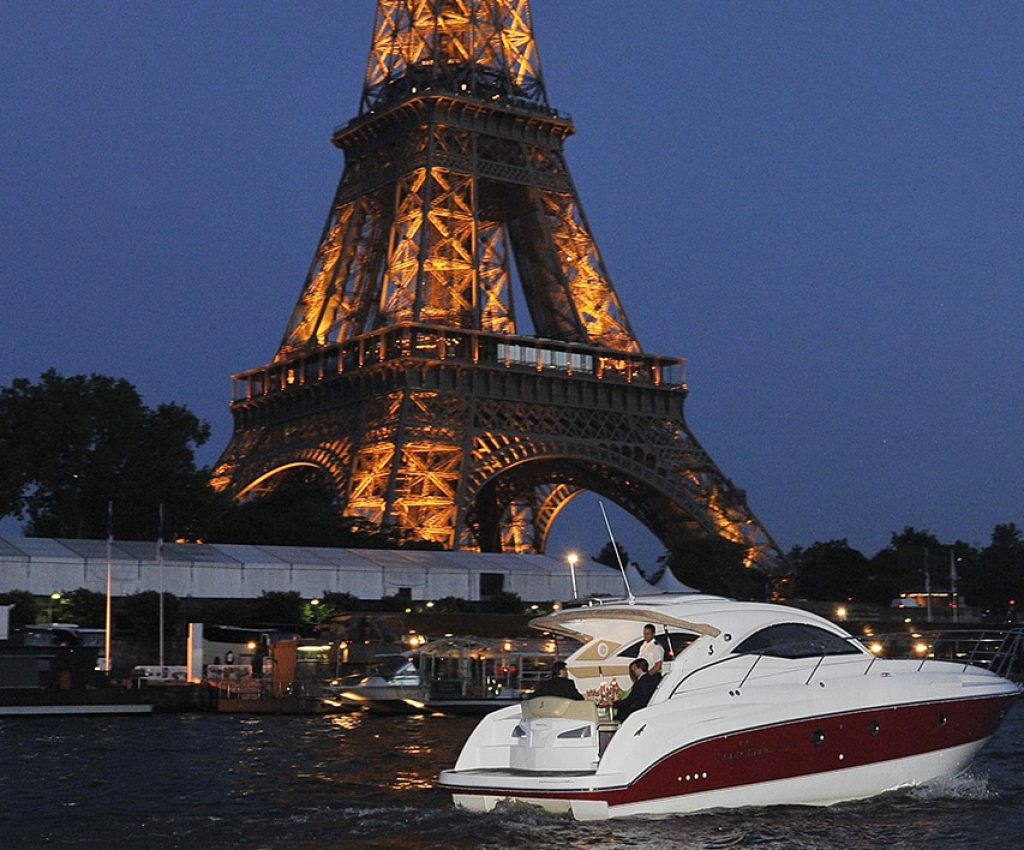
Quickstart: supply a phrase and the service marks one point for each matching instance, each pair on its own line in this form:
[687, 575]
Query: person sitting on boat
[651, 651]
[644, 686]
[558, 684]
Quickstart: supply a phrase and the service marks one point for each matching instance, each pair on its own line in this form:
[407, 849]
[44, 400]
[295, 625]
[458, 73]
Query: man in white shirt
[651, 651]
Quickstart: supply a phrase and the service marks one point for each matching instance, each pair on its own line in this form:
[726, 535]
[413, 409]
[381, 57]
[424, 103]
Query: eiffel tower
[458, 363]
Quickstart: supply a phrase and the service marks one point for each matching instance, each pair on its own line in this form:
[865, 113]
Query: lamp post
[573, 558]
[54, 597]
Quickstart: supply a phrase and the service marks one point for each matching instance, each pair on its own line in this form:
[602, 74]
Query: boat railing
[999, 650]
[748, 662]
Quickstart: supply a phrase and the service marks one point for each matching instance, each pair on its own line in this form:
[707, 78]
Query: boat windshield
[797, 640]
[391, 666]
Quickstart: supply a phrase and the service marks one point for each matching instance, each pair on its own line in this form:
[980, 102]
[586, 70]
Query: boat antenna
[618, 557]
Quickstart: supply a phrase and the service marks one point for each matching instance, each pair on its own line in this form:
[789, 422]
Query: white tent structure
[43, 566]
[668, 583]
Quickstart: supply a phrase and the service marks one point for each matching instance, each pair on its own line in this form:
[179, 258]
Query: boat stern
[556, 735]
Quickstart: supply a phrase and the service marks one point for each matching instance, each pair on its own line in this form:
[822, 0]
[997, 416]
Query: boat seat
[573, 709]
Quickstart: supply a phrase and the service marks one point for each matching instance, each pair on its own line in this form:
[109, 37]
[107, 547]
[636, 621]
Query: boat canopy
[559, 622]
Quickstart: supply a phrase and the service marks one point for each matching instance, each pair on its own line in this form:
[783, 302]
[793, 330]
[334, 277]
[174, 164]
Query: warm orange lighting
[442, 196]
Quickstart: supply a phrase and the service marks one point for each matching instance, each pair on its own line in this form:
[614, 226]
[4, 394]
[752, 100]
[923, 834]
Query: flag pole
[107, 660]
[160, 565]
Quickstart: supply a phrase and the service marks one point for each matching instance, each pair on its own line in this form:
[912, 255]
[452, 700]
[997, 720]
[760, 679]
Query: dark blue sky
[819, 205]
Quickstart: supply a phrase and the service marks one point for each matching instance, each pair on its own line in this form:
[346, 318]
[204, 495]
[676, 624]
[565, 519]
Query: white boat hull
[814, 790]
[742, 769]
[827, 723]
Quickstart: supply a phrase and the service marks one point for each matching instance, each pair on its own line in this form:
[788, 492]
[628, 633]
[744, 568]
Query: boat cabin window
[796, 640]
[391, 665]
[673, 643]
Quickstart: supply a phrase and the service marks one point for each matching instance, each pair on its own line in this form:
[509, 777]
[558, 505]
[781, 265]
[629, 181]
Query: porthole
[818, 737]
[942, 719]
[873, 728]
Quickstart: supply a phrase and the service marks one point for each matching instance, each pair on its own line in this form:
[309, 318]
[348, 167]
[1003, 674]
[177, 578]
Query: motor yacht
[390, 681]
[450, 675]
[758, 704]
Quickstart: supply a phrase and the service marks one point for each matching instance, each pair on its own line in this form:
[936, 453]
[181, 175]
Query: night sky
[819, 205]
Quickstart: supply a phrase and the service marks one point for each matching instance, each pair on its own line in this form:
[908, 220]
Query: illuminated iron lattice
[405, 375]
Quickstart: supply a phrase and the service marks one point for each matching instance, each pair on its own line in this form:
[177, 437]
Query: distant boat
[53, 669]
[389, 683]
[450, 675]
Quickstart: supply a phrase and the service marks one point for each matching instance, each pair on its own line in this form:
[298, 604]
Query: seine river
[205, 782]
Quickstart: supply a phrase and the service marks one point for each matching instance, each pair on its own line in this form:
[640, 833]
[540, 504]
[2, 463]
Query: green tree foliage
[831, 570]
[332, 604]
[504, 603]
[303, 510]
[451, 605]
[715, 566]
[280, 608]
[1001, 570]
[140, 614]
[397, 601]
[85, 608]
[902, 566]
[68, 446]
[607, 555]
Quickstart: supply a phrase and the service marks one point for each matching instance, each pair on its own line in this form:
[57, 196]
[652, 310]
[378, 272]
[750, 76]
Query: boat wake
[966, 786]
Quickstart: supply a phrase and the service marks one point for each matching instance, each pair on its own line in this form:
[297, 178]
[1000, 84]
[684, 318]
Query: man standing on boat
[651, 651]
[558, 684]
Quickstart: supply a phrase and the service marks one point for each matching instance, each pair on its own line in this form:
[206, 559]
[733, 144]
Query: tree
[140, 613]
[831, 570]
[302, 509]
[278, 607]
[717, 566]
[504, 602]
[1001, 569]
[902, 566]
[85, 608]
[69, 446]
[607, 555]
[333, 603]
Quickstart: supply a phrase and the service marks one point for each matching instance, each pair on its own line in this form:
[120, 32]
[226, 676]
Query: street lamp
[54, 597]
[573, 558]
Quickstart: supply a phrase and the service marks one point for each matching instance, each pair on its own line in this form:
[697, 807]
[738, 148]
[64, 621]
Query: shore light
[572, 558]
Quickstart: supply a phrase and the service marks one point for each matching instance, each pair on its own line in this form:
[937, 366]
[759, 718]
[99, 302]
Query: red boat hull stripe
[801, 748]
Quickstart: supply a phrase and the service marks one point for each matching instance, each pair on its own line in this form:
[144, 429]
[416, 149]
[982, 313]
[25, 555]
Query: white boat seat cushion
[572, 709]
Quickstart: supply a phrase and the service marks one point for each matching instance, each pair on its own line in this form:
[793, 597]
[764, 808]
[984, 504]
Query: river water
[205, 781]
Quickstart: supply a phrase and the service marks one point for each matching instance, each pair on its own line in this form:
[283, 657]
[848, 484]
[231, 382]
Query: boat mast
[618, 557]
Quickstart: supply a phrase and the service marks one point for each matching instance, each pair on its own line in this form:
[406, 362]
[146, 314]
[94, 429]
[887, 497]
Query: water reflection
[367, 781]
[347, 722]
